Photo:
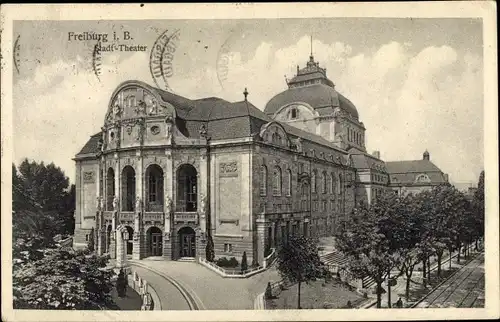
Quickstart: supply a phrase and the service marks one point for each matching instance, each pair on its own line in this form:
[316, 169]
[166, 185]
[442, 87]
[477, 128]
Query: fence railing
[153, 216]
[269, 259]
[186, 217]
[150, 300]
[230, 273]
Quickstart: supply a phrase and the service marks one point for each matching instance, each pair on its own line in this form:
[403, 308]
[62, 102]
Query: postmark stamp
[161, 58]
[16, 55]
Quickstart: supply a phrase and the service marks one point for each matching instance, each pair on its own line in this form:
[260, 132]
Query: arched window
[277, 181]
[289, 182]
[263, 180]
[423, 178]
[313, 182]
[332, 183]
[128, 189]
[294, 113]
[187, 191]
[154, 188]
[324, 183]
[110, 189]
[339, 185]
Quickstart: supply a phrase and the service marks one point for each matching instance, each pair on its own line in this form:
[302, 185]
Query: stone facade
[170, 171]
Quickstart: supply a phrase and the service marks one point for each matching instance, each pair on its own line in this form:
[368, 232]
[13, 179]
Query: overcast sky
[417, 83]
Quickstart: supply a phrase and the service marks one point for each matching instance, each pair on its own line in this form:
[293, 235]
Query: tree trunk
[424, 270]
[298, 297]
[408, 279]
[439, 257]
[458, 254]
[476, 244]
[389, 288]
[450, 251]
[379, 294]
[429, 268]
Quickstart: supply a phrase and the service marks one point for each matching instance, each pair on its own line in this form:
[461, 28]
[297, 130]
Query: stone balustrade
[150, 300]
[152, 216]
[186, 217]
[127, 215]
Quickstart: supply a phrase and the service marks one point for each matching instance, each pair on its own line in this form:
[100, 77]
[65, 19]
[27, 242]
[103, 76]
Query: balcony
[108, 215]
[153, 216]
[186, 217]
[127, 215]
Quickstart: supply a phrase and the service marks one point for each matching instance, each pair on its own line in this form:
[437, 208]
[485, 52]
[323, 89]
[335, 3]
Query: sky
[417, 83]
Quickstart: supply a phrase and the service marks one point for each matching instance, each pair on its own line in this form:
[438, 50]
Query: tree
[269, 291]
[46, 187]
[298, 261]
[121, 284]
[478, 209]
[367, 243]
[63, 279]
[244, 263]
[209, 249]
[91, 241]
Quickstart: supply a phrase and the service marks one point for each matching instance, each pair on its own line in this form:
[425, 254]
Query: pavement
[206, 288]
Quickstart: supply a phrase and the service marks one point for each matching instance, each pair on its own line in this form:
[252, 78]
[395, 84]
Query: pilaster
[261, 237]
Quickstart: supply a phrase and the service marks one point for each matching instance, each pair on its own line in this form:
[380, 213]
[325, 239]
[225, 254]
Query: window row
[355, 136]
[378, 177]
[329, 182]
[277, 181]
[186, 197]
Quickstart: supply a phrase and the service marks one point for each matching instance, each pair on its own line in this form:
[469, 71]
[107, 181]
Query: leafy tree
[91, 241]
[121, 284]
[209, 249]
[63, 279]
[298, 261]
[478, 209]
[364, 241]
[244, 262]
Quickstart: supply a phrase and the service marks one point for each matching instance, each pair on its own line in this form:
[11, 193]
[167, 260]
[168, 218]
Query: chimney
[376, 154]
[445, 176]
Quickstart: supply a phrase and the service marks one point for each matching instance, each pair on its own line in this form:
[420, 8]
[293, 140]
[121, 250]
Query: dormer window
[423, 178]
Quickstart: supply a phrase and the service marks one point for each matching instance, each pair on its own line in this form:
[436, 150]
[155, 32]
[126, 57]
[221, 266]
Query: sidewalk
[417, 290]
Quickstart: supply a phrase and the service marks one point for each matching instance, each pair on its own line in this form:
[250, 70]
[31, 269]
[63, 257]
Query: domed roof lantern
[426, 155]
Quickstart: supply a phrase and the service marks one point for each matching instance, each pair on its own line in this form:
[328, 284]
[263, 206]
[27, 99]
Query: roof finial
[311, 45]
[245, 93]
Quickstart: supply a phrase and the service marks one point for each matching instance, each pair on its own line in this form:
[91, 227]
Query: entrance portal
[155, 245]
[187, 241]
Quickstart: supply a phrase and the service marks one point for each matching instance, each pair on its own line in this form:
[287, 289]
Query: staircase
[187, 259]
[336, 258]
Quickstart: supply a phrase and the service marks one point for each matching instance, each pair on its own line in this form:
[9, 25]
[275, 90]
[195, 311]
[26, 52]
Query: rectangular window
[228, 248]
[87, 237]
[324, 205]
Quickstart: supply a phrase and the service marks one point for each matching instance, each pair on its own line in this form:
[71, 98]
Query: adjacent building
[175, 171]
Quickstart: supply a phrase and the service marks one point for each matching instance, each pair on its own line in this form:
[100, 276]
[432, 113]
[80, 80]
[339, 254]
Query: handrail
[234, 274]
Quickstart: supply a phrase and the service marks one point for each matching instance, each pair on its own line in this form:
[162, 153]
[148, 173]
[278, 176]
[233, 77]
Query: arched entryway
[154, 241]
[187, 177]
[130, 240]
[187, 242]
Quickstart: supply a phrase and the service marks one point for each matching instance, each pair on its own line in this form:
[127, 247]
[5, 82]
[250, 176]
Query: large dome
[311, 86]
[323, 98]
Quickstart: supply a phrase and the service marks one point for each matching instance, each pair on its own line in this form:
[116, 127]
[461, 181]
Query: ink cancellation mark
[96, 60]
[161, 57]
[17, 48]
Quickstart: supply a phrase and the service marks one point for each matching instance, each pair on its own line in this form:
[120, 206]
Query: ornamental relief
[228, 169]
[186, 159]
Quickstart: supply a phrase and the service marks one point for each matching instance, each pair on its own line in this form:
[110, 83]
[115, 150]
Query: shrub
[209, 249]
[233, 262]
[244, 263]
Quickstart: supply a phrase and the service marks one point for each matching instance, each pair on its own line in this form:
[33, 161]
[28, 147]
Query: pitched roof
[92, 145]
[363, 160]
[406, 172]
[420, 166]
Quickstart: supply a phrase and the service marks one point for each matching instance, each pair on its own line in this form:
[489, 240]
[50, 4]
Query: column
[167, 205]
[136, 250]
[272, 237]
[261, 238]
[202, 190]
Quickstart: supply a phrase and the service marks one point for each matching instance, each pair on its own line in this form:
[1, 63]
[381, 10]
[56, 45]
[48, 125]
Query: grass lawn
[316, 295]
[132, 302]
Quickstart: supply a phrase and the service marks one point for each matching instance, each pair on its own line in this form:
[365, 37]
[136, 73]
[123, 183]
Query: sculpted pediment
[132, 101]
[274, 133]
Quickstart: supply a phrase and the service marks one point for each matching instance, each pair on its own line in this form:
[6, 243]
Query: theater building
[175, 170]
